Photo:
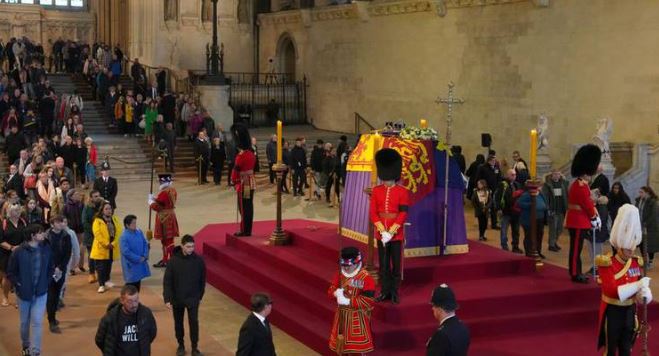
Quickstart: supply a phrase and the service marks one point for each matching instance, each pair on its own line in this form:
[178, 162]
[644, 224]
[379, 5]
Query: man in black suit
[202, 155]
[452, 336]
[107, 185]
[255, 337]
[14, 181]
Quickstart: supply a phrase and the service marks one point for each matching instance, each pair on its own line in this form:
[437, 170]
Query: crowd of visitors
[499, 193]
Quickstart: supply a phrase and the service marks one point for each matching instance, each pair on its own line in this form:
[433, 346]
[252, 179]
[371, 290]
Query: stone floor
[220, 316]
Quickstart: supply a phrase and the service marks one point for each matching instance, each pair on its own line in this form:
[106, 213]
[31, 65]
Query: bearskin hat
[586, 161]
[241, 136]
[350, 256]
[164, 178]
[389, 164]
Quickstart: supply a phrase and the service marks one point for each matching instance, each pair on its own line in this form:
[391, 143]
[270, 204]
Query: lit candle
[534, 153]
[279, 154]
[423, 123]
[374, 167]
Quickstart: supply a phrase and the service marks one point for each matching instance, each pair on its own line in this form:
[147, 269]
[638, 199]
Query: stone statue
[602, 135]
[171, 10]
[206, 11]
[243, 11]
[543, 132]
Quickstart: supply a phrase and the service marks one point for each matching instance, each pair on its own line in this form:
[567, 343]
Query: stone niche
[42, 25]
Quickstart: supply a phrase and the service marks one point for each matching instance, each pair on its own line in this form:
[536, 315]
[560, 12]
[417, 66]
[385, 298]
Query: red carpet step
[510, 309]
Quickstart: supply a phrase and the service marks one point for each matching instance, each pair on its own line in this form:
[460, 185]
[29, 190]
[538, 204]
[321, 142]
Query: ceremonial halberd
[423, 174]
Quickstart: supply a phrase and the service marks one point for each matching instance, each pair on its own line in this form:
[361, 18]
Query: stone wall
[42, 25]
[181, 43]
[574, 60]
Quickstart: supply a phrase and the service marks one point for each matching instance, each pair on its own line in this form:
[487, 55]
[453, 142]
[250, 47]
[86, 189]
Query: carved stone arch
[287, 55]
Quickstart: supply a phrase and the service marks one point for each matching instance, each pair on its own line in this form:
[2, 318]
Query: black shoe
[54, 322]
[590, 271]
[160, 264]
[382, 297]
[517, 250]
[25, 352]
[558, 247]
[580, 279]
[505, 248]
[554, 248]
[60, 305]
[180, 351]
[495, 227]
[482, 238]
[394, 298]
[541, 255]
[196, 352]
[241, 234]
[82, 269]
[55, 329]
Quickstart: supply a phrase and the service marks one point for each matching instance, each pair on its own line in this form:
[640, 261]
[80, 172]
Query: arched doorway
[287, 57]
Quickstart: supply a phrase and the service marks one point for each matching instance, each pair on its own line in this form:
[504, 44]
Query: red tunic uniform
[164, 206]
[356, 327]
[580, 207]
[388, 209]
[242, 175]
[612, 273]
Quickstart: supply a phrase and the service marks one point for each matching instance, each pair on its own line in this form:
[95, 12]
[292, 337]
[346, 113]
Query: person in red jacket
[166, 227]
[581, 214]
[622, 285]
[388, 211]
[242, 177]
[354, 289]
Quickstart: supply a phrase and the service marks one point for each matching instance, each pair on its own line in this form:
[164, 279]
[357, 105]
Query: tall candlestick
[423, 123]
[374, 169]
[279, 138]
[534, 153]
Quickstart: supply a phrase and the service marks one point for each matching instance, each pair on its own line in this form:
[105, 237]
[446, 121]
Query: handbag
[30, 182]
[142, 123]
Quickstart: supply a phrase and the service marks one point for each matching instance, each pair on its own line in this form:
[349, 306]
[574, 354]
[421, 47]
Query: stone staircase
[127, 159]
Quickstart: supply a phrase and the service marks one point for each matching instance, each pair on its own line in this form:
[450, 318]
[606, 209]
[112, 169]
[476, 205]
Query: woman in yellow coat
[107, 230]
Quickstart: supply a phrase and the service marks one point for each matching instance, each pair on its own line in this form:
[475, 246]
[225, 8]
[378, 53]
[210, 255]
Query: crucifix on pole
[449, 101]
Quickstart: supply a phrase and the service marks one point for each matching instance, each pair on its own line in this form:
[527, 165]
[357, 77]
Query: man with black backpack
[505, 197]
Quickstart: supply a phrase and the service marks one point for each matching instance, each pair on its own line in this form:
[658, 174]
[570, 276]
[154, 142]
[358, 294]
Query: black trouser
[619, 333]
[103, 267]
[298, 180]
[169, 160]
[246, 212]
[229, 170]
[389, 258]
[54, 291]
[193, 322]
[284, 187]
[332, 180]
[482, 224]
[272, 174]
[642, 247]
[493, 217]
[576, 245]
[528, 242]
[129, 127]
[217, 172]
[202, 169]
[137, 284]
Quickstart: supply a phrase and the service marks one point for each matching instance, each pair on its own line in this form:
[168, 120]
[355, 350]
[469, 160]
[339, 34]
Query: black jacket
[108, 190]
[201, 148]
[298, 158]
[185, 279]
[16, 184]
[255, 339]
[317, 156]
[108, 333]
[450, 339]
[491, 175]
[14, 143]
[60, 247]
[503, 197]
[218, 155]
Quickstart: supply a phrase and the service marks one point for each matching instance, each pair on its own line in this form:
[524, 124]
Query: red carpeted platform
[510, 309]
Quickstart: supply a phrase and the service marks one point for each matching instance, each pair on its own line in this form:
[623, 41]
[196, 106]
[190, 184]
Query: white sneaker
[101, 289]
[109, 284]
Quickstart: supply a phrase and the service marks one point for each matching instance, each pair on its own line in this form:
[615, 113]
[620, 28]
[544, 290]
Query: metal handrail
[176, 83]
[359, 120]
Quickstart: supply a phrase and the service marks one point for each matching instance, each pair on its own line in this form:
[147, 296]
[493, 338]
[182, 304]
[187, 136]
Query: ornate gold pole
[533, 186]
[279, 236]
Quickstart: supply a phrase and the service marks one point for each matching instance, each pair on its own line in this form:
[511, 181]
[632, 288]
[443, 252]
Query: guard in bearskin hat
[622, 285]
[581, 215]
[353, 289]
[166, 227]
[388, 211]
[242, 177]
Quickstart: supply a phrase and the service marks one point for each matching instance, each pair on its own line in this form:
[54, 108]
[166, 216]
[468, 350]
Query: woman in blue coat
[524, 203]
[134, 253]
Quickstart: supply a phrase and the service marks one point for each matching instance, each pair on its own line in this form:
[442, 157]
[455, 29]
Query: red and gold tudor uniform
[581, 210]
[388, 211]
[617, 319]
[166, 228]
[242, 176]
[353, 321]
